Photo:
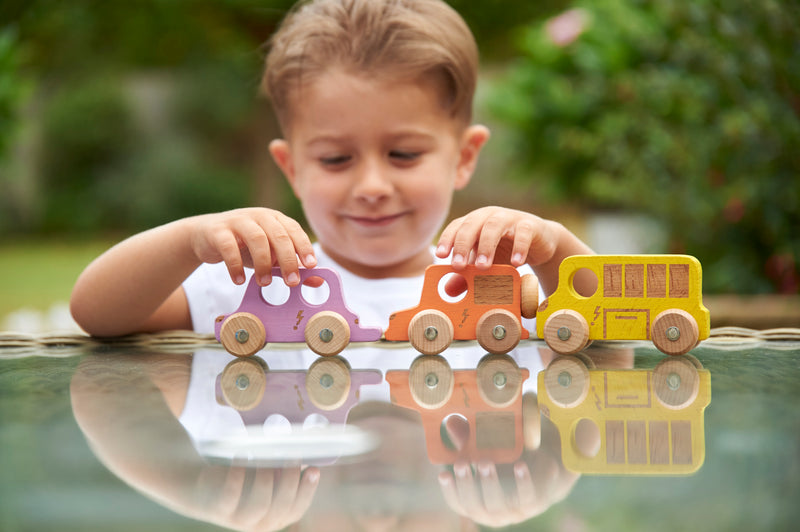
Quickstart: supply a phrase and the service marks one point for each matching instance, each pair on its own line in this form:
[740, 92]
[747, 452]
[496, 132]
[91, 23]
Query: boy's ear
[472, 140]
[282, 155]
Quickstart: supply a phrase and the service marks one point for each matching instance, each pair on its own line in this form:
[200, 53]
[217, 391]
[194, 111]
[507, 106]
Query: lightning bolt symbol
[596, 314]
[465, 314]
[299, 395]
[597, 399]
[299, 319]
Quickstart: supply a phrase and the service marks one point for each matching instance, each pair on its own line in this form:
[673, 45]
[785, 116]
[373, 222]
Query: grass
[36, 274]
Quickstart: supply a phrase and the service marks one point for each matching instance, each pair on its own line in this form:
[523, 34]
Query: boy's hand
[498, 235]
[254, 237]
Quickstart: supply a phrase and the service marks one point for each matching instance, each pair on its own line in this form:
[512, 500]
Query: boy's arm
[499, 235]
[136, 285]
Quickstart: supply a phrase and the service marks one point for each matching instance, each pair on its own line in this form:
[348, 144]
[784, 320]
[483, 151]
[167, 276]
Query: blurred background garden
[645, 126]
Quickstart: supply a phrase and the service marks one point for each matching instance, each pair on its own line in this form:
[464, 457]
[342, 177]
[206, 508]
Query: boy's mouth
[376, 221]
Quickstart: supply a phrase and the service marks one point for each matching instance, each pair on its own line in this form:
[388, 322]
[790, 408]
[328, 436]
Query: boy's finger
[228, 248]
[465, 240]
[302, 244]
[282, 249]
[257, 244]
[523, 236]
[492, 231]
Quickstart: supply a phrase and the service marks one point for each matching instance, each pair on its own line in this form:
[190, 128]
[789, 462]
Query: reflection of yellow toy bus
[639, 297]
[628, 422]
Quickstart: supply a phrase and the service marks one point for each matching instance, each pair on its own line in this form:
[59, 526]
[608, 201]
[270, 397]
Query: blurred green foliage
[146, 111]
[687, 111]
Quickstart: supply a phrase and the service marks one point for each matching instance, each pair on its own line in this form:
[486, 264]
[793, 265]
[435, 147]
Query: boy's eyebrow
[392, 137]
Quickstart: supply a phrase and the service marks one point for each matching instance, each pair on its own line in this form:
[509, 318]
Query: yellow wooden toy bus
[639, 297]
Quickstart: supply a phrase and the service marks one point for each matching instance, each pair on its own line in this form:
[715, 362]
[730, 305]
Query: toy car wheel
[566, 332]
[529, 296]
[676, 382]
[430, 332]
[328, 383]
[243, 382]
[327, 333]
[431, 381]
[499, 380]
[498, 331]
[242, 334]
[674, 332]
[566, 380]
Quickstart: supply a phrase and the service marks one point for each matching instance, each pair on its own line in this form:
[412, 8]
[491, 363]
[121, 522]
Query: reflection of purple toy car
[327, 328]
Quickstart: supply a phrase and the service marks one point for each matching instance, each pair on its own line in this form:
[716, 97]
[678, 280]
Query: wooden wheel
[328, 383]
[431, 381]
[676, 382]
[499, 380]
[243, 383]
[242, 334]
[674, 332]
[529, 295]
[566, 332]
[430, 332]
[327, 333]
[566, 380]
[498, 331]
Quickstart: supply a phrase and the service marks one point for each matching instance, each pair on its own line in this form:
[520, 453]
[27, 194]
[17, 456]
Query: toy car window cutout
[316, 295]
[457, 285]
[276, 293]
[585, 274]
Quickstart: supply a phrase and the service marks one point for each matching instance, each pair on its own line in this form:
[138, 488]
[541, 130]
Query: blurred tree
[687, 111]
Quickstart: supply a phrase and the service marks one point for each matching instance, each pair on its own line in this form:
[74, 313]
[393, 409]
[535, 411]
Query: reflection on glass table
[628, 421]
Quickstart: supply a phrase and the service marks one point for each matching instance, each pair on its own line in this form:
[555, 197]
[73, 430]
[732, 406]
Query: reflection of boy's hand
[539, 479]
[251, 499]
[253, 237]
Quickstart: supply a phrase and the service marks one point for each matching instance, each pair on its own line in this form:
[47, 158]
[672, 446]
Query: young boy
[374, 100]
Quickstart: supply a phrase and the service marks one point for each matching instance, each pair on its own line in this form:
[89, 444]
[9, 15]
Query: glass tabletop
[169, 433]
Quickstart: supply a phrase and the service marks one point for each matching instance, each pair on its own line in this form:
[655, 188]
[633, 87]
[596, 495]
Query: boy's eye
[404, 155]
[334, 160]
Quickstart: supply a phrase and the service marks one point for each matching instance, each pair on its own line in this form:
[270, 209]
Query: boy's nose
[373, 184]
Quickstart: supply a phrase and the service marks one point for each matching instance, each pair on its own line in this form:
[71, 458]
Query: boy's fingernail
[458, 259]
[482, 260]
[265, 280]
[441, 251]
[517, 258]
[239, 279]
[310, 260]
[292, 278]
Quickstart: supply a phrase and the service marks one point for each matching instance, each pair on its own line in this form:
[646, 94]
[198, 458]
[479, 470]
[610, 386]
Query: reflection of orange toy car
[490, 310]
[647, 421]
[488, 401]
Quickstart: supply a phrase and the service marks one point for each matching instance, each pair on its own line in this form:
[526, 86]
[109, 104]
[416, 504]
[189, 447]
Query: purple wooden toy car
[327, 328]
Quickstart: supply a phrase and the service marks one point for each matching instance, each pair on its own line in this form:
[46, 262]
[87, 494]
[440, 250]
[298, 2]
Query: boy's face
[375, 164]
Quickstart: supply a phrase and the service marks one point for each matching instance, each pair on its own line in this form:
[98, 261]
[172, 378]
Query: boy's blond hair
[394, 39]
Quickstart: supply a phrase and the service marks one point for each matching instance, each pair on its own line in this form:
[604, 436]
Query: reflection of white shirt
[210, 293]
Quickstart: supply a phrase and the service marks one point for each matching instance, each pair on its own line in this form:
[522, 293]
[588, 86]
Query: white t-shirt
[211, 293]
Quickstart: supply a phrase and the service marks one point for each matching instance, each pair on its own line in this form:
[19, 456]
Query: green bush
[687, 111]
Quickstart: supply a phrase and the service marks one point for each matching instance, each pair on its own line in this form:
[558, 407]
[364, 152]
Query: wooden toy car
[639, 297]
[327, 328]
[490, 310]
[488, 399]
[646, 421]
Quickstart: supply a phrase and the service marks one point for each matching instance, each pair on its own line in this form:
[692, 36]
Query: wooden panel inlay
[612, 280]
[634, 280]
[678, 280]
[494, 289]
[656, 280]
